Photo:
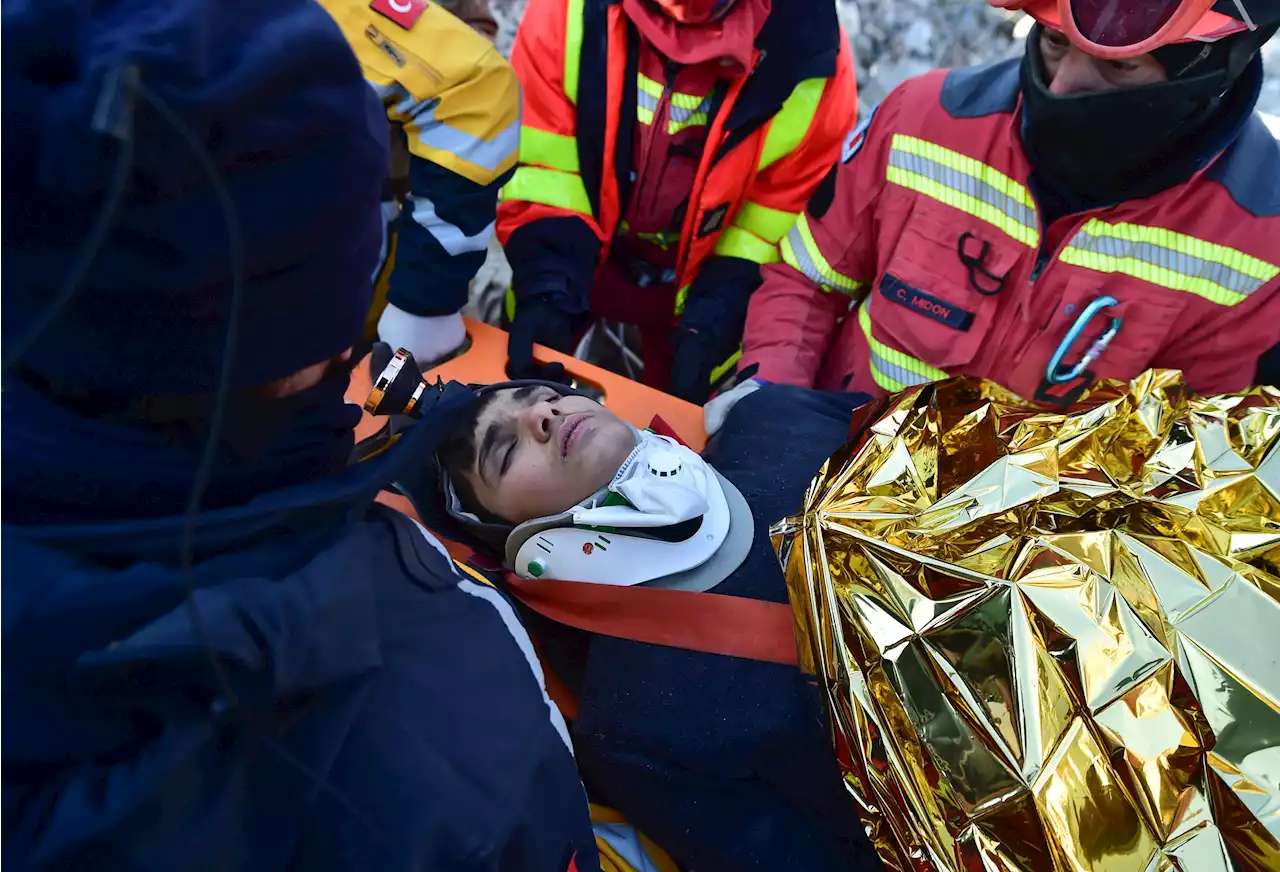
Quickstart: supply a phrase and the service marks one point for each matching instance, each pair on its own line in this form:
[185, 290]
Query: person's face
[538, 453]
[1067, 70]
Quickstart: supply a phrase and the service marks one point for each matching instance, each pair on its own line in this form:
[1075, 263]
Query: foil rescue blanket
[1052, 641]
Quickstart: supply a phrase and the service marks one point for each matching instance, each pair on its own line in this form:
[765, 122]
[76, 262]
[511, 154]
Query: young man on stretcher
[724, 762]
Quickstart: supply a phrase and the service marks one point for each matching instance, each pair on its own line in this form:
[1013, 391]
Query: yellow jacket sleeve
[460, 109]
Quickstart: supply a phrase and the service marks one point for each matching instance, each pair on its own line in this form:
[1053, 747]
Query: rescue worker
[1107, 204]
[666, 146]
[218, 651]
[454, 105]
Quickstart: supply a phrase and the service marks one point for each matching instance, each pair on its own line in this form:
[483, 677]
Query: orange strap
[710, 622]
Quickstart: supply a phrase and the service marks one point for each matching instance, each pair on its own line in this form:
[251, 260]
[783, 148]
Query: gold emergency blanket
[1052, 641]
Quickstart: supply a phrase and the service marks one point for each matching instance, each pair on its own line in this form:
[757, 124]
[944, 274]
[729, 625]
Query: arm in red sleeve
[1220, 352]
[828, 256]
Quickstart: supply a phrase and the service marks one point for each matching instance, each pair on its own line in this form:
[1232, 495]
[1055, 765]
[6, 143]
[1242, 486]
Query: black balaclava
[1128, 143]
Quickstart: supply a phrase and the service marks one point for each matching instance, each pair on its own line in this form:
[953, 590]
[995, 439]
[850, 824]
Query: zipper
[669, 70]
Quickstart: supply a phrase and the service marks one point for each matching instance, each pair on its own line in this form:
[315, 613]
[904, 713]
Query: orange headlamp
[1115, 29]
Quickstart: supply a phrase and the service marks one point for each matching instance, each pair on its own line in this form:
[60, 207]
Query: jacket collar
[800, 40]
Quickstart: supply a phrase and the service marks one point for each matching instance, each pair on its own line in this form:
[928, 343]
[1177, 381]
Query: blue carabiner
[1053, 371]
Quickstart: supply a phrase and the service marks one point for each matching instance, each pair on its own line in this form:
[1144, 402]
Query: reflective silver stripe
[681, 115]
[805, 264]
[451, 237]
[513, 627]
[903, 377]
[433, 133]
[390, 212]
[646, 101]
[965, 184]
[1167, 258]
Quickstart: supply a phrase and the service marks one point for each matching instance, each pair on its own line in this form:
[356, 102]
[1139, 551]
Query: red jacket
[931, 227]
[772, 132]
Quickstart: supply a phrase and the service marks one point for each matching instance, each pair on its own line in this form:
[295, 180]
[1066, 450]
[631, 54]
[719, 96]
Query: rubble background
[892, 41]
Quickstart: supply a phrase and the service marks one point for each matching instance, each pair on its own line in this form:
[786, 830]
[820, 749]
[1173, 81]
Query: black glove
[691, 367]
[538, 320]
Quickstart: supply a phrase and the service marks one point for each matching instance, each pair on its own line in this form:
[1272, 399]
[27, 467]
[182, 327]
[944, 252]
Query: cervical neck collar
[667, 518]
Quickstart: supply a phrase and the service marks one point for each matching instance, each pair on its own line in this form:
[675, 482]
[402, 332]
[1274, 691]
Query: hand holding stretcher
[710, 622]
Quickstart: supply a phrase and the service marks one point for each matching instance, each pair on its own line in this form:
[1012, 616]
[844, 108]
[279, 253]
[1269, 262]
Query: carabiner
[1053, 371]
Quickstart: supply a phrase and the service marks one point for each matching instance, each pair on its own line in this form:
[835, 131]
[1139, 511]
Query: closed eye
[506, 458]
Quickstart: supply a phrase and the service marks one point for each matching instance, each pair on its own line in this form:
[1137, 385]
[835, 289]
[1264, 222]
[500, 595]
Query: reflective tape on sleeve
[769, 224]
[476, 157]
[736, 242]
[800, 252]
[788, 128]
[1172, 260]
[549, 187]
[554, 150]
[890, 368]
[964, 183]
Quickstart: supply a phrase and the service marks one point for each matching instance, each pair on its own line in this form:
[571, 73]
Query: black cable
[209, 454]
[235, 255]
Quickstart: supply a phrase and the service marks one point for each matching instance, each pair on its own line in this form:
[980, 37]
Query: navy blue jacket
[726, 763]
[373, 710]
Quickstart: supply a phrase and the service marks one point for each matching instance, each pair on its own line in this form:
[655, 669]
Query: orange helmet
[694, 11]
[1114, 29]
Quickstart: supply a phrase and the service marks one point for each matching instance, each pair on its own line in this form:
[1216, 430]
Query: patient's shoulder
[773, 442]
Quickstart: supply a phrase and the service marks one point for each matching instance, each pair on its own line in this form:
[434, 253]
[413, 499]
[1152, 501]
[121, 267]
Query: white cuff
[717, 409]
[428, 337]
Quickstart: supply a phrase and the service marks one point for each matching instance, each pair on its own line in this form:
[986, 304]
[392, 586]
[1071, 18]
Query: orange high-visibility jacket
[772, 137]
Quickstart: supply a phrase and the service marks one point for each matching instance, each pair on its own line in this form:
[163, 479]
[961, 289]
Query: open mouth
[567, 432]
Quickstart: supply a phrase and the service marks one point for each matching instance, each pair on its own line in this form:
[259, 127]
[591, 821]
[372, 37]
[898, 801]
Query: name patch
[897, 291]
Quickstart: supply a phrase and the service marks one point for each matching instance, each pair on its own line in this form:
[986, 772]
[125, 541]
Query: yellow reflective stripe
[965, 184]
[687, 101]
[549, 187]
[679, 99]
[890, 368]
[475, 576]
[553, 150]
[509, 304]
[697, 119]
[648, 85]
[788, 127]
[644, 115]
[682, 296]
[736, 242]
[767, 223]
[1173, 260]
[572, 49]
[800, 251]
[719, 371]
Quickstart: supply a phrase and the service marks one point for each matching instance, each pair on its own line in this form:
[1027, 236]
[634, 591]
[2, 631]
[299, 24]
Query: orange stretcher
[710, 622]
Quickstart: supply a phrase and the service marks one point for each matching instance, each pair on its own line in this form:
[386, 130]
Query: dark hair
[456, 455]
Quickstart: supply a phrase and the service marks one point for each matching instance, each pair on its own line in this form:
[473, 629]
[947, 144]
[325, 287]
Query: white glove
[428, 337]
[717, 408]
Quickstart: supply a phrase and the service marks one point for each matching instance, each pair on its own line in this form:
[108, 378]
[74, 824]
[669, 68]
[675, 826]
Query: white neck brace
[664, 485]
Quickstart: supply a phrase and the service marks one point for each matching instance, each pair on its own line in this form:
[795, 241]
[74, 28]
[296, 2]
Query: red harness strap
[711, 622]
